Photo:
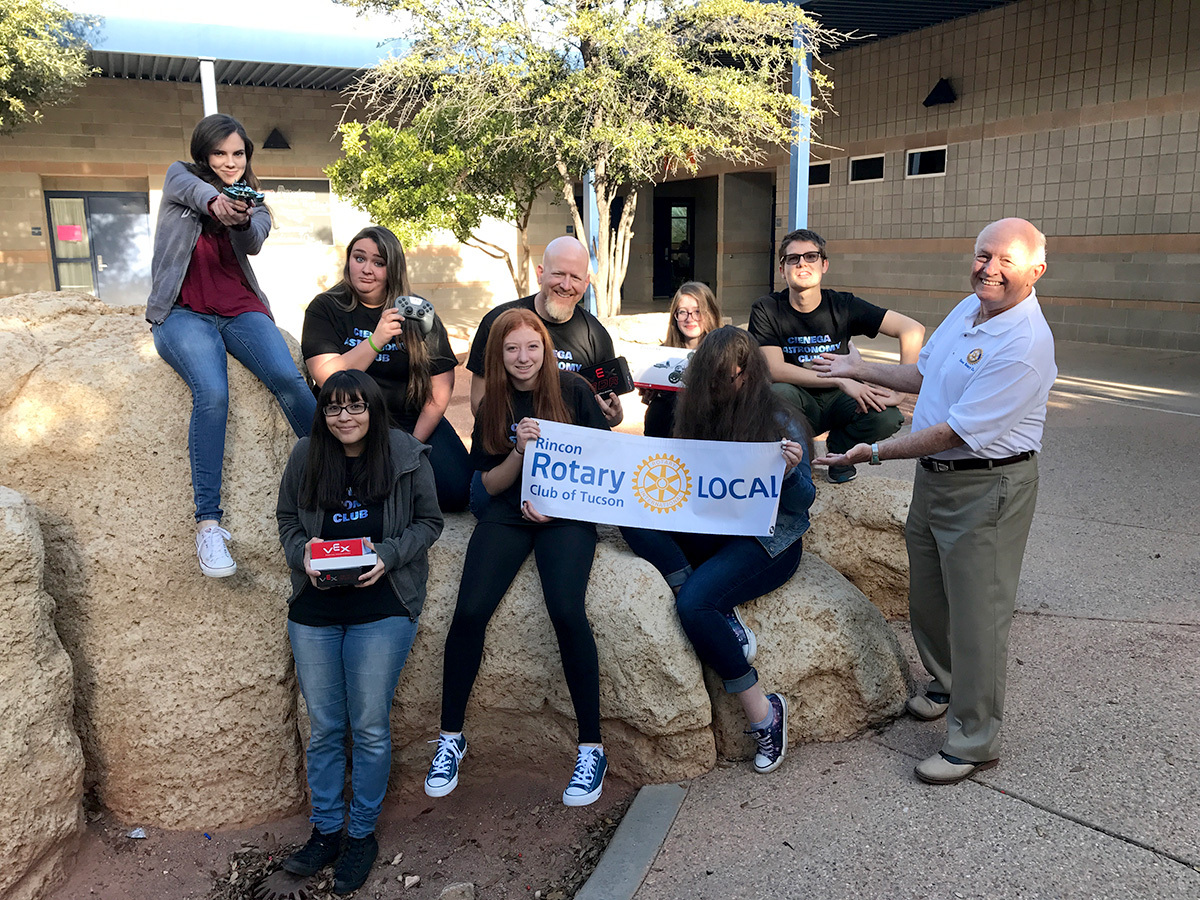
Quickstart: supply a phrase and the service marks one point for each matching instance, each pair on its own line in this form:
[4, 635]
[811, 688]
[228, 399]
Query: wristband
[874, 455]
[520, 452]
[372, 342]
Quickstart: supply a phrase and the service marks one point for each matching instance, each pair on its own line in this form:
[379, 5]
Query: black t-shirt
[660, 413]
[330, 329]
[349, 605]
[580, 341]
[583, 409]
[774, 322]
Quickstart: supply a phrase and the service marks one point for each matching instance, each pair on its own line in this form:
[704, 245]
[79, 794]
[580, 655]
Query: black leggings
[563, 551]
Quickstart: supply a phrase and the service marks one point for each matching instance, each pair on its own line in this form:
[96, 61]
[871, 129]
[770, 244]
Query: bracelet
[372, 342]
[520, 452]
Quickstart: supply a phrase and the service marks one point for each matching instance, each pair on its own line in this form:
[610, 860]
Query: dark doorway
[100, 244]
[674, 243]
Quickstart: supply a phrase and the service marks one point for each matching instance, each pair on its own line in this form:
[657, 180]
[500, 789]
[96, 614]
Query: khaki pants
[966, 535]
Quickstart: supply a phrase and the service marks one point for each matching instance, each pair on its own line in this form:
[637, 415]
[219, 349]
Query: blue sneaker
[772, 740]
[742, 632]
[588, 779]
[443, 771]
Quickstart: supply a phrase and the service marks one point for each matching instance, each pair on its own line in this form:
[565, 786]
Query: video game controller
[243, 192]
[418, 309]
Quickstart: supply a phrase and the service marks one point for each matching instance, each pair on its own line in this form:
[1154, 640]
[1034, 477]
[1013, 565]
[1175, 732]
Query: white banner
[705, 487]
[660, 368]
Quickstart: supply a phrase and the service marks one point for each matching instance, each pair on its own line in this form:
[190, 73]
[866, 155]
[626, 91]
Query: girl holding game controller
[353, 478]
[521, 385]
[205, 303]
[370, 322]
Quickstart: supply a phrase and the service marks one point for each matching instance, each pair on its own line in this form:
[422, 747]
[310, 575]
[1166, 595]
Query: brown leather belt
[962, 465]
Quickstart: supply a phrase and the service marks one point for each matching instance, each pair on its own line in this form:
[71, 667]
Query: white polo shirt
[989, 382]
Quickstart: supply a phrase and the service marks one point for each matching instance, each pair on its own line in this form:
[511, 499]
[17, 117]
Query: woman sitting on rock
[728, 398]
[356, 325]
[205, 302]
[693, 314]
[353, 478]
[522, 381]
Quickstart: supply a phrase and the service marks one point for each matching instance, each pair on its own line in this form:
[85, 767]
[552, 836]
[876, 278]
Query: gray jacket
[185, 199]
[412, 520]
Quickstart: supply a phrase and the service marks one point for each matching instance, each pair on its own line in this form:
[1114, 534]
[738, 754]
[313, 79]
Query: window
[926, 162]
[818, 174]
[866, 168]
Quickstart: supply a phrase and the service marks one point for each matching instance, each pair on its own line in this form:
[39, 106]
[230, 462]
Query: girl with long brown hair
[356, 325]
[729, 398]
[522, 384]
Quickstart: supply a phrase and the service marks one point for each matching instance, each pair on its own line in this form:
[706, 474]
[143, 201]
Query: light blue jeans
[348, 675]
[195, 345]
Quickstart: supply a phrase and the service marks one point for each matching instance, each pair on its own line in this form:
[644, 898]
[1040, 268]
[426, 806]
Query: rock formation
[184, 693]
[41, 765]
[858, 528]
[185, 699]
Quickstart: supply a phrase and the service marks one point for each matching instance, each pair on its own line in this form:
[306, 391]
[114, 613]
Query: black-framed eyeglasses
[794, 259]
[333, 410]
[684, 314]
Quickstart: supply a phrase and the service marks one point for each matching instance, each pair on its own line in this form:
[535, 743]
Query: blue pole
[802, 125]
[591, 216]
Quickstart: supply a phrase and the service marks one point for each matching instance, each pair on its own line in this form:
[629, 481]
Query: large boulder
[655, 712]
[858, 528]
[827, 650]
[184, 691]
[41, 764]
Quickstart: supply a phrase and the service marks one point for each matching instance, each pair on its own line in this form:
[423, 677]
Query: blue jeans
[714, 573]
[348, 674]
[194, 345]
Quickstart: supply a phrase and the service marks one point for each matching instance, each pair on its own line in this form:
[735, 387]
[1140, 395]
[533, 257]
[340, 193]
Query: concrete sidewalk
[1096, 794]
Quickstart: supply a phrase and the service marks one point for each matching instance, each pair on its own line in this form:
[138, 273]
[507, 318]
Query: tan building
[1081, 115]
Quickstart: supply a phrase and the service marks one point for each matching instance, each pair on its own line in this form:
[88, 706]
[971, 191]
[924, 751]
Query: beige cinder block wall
[120, 135]
[1080, 116]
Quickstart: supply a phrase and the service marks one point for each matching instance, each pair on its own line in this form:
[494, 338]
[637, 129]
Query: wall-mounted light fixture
[942, 93]
[276, 141]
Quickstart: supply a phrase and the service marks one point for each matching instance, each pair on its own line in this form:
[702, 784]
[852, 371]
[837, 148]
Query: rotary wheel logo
[662, 483]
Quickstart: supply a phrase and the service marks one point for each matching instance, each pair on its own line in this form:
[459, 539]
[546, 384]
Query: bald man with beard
[982, 380]
[579, 338]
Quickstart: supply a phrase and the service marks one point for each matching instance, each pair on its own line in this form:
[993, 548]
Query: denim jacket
[412, 520]
[795, 497]
[185, 200]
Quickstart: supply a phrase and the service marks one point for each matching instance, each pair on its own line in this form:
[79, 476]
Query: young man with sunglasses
[796, 325]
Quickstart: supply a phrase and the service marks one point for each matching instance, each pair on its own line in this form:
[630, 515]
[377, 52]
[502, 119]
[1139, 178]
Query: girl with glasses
[353, 478]
[206, 303]
[693, 314]
[356, 325]
[521, 384]
[729, 398]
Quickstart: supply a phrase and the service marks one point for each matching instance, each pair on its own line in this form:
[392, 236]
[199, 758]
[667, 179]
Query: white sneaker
[215, 560]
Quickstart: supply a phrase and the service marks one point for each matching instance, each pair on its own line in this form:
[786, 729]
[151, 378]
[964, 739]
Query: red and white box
[341, 562]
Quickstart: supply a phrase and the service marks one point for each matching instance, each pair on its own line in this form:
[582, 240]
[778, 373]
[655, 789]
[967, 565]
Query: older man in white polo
[982, 382]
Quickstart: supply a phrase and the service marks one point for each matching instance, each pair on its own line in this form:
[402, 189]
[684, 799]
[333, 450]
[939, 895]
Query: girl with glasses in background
[693, 314]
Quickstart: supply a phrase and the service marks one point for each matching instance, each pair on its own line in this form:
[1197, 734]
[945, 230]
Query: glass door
[100, 244]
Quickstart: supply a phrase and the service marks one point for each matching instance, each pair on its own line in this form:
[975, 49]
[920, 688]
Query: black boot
[320, 851]
[355, 865]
